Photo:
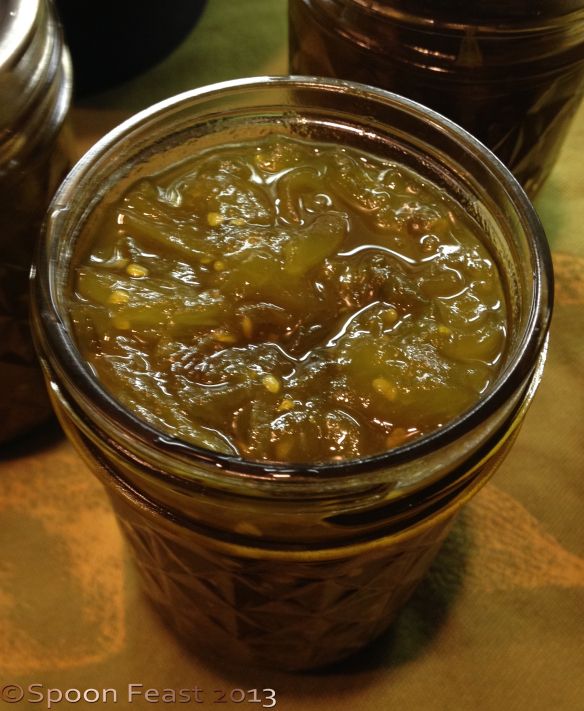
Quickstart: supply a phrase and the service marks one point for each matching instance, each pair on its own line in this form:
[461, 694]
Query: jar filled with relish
[292, 325]
[511, 73]
[35, 92]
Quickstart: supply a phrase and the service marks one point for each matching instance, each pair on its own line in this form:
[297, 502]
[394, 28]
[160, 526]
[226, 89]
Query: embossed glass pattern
[511, 73]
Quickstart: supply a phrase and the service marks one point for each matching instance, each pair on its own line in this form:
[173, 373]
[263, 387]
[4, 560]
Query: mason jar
[291, 566]
[511, 73]
[35, 92]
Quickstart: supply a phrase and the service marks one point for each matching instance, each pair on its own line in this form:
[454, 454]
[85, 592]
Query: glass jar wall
[292, 566]
[35, 90]
[510, 73]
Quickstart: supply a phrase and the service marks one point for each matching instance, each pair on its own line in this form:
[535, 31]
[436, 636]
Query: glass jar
[274, 564]
[510, 73]
[35, 91]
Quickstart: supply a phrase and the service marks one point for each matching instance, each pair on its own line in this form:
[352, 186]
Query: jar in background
[511, 73]
[35, 92]
[279, 564]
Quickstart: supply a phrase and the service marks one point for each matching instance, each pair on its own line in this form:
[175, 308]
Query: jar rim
[56, 340]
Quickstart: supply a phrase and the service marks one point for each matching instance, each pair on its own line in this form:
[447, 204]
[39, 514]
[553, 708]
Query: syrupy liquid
[511, 73]
[284, 300]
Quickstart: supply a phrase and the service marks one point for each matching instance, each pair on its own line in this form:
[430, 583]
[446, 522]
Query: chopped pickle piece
[119, 297]
[285, 300]
[223, 336]
[384, 387]
[312, 246]
[122, 324]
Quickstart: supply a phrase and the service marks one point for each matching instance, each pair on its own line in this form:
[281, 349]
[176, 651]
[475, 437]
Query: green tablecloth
[498, 624]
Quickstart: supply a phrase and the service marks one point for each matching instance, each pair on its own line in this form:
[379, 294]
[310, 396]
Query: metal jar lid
[32, 61]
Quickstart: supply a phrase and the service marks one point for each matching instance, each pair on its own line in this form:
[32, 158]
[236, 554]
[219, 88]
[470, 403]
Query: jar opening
[307, 104]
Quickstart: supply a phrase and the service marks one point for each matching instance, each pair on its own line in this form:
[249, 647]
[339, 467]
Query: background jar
[35, 92]
[273, 564]
[510, 73]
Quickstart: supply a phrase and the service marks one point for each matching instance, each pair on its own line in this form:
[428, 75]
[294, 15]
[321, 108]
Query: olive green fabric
[498, 625]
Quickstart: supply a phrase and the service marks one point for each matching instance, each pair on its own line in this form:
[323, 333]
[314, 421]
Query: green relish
[289, 301]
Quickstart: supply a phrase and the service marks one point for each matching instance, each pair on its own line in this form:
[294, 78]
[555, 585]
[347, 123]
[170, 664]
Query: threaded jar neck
[35, 78]
[449, 36]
